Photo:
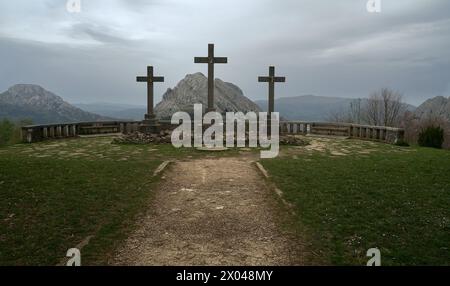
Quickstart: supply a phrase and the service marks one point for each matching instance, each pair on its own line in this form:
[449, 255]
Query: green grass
[349, 196]
[51, 199]
[54, 194]
[396, 199]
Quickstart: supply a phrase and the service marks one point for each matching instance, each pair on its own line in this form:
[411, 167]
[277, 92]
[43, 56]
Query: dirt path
[211, 212]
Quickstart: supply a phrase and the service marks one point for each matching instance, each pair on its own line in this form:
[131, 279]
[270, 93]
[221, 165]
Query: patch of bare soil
[211, 212]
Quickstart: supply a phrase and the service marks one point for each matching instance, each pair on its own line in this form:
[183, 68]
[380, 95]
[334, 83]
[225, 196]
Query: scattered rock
[293, 140]
[164, 137]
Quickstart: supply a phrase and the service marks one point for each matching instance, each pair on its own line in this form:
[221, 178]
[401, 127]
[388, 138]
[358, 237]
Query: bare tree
[372, 110]
[337, 116]
[354, 111]
[392, 107]
[384, 107]
[350, 114]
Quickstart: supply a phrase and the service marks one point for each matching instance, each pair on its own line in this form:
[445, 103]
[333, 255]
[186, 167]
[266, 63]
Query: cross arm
[201, 60]
[220, 60]
[263, 79]
[141, 79]
[279, 79]
[158, 79]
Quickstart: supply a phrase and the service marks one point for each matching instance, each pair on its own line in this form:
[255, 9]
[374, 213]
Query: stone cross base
[149, 129]
[150, 125]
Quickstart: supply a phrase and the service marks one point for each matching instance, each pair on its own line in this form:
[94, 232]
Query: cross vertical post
[210, 77]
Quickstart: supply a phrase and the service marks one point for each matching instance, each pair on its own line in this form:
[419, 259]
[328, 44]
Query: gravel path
[211, 212]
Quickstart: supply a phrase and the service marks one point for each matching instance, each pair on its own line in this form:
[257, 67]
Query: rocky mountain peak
[21, 89]
[438, 106]
[33, 95]
[194, 89]
[29, 101]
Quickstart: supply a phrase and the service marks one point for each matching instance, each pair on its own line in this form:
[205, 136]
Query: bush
[10, 132]
[6, 131]
[431, 137]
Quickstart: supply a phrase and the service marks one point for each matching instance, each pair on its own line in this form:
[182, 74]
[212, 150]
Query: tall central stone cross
[210, 60]
[271, 79]
[150, 79]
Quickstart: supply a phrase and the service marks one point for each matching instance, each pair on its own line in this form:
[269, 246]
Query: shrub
[431, 137]
[6, 131]
[10, 132]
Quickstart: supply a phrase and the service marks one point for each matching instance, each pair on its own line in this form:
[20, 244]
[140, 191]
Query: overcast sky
[323, 47]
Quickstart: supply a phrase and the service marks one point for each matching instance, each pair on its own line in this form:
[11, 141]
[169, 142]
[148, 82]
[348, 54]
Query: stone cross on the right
[271, 79]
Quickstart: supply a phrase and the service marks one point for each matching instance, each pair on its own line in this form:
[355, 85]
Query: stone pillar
[58, 131]
[29, 135]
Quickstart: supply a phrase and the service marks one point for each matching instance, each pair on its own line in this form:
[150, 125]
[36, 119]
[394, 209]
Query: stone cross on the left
[150, 118]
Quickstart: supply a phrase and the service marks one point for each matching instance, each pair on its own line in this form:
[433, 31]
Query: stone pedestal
[149, 125]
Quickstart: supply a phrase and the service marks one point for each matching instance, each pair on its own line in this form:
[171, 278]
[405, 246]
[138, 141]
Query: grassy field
[55, 194]
[350, 196]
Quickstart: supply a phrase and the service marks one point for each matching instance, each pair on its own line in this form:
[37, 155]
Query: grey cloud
[330, 48]
[100, 34]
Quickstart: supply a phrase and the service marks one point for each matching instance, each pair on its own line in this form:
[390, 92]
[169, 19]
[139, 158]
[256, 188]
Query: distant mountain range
[27, 101]
[115, 110]
[306, 107]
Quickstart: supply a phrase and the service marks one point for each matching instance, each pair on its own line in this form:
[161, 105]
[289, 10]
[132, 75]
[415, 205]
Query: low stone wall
[377, 133]
[35, 133]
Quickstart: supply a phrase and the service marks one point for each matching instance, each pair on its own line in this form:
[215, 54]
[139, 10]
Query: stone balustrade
[35, 133]
[378, 133]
